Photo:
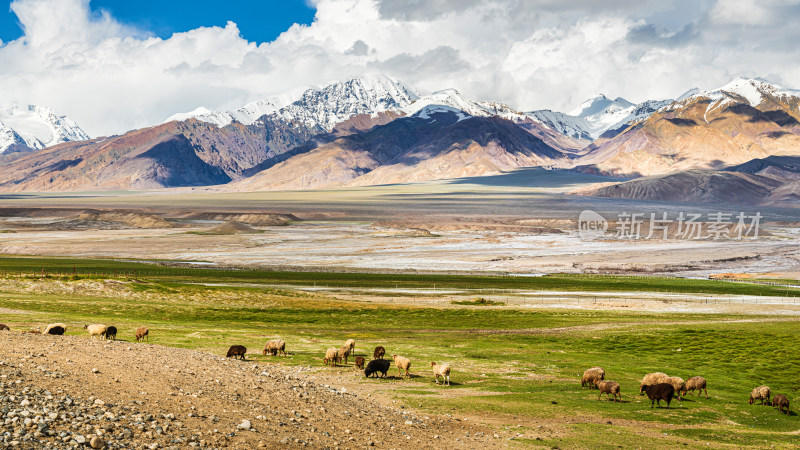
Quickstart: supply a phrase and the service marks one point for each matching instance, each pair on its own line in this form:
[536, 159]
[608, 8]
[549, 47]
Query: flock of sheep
[97, 331]
[334, 356]
[660, 386]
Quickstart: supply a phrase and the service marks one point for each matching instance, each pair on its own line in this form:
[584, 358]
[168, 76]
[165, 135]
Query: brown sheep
[658, 392]
[781, 402]
[331, 356]
[360, 362]
[591, 376]
[142, 333]
[379, 352]
[760, 393]
[608, 388]
[4, 327]
[237, 350]
[695, 383]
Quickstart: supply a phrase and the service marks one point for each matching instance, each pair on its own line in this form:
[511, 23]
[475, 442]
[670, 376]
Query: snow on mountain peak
[318, 108]
[752, 90]
[35, 127]
[336, 102]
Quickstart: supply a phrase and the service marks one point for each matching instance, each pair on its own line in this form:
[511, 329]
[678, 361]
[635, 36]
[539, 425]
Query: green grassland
[512, 365]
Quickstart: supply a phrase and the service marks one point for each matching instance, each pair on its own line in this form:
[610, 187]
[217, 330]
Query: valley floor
[516, 368]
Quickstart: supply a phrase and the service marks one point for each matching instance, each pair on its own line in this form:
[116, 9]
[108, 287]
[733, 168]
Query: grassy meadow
[516, 367]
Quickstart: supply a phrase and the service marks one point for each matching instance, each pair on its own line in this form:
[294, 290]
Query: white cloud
[530, 53]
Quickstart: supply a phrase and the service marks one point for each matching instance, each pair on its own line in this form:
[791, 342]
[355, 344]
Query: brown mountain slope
[707, 131]
[143, 159]
[410, 149]
[696, 186]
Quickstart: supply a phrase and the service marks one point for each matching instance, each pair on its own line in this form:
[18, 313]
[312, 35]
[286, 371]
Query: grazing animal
[375, 366]
[760, 393]
[97, 330]
[678, 384]
[592, 375]
[4, 327]
[111, 333]
[344, 353]
[142, 333]
[695, 383]
[658, 392]
[402, 364]
[379, 352]
[56, 329]
[441, 370]
[275, 347]
[352, 344]
[653, 378]
[360, 362]
[608, 388]
[236, 350]
[331, 356]
[781, 402]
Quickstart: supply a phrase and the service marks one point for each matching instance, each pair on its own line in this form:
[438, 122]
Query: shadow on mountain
[682, 122]
[535, 177]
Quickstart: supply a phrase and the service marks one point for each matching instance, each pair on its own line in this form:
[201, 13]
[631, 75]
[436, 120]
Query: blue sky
[258, 20]
[96, 62]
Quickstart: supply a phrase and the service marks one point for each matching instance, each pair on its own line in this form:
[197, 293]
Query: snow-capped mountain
[574, 127]
[318, 109]
[247, 114]
[324, 108]
[35, 127]
[597, 115]
[752, 91]
[452, 100]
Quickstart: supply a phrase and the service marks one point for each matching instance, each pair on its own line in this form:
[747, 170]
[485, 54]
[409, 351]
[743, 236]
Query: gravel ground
[72, 392]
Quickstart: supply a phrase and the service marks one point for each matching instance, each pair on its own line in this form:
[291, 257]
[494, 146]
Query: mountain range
[376, 130]
[28, 128]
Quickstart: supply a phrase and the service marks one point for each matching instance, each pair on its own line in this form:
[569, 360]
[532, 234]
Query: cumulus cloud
[529, 53]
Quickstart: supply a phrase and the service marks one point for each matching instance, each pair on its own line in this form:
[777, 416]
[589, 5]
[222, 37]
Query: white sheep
[96, 330]
[402, 364]
[760, 393]
[654, 378]
[678, 384]
[331, 356]
[352, 344]
[344, 353]
[592, 375]
[275, 347]
[441, 370]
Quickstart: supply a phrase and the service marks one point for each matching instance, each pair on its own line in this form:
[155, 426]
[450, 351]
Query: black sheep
[375, 366]
[237, 350]
[4, 327]
[56, 330]
[111, 332]
[658, 392]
